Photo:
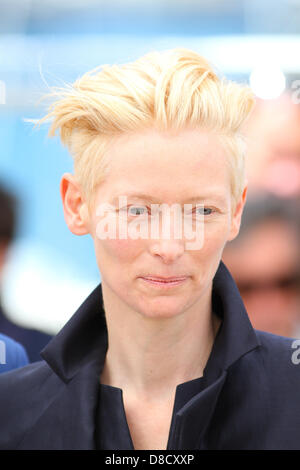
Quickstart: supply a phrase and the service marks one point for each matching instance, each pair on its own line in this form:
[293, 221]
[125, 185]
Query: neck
[151, 356]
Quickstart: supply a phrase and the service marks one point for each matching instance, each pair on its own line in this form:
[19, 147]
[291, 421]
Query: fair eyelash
[211, 208]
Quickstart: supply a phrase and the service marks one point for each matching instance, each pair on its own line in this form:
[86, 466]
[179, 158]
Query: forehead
[168, 163]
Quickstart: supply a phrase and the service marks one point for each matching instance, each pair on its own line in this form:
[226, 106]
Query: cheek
[215, 237]
[118, 251]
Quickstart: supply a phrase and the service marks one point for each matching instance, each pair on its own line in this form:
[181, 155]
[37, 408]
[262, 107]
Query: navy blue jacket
[250, 399]
[12, 354]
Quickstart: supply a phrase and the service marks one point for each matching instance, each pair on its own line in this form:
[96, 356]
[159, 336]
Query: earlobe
[74, 206]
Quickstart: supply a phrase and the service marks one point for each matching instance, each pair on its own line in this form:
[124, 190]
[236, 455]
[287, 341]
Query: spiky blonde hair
[171, 89]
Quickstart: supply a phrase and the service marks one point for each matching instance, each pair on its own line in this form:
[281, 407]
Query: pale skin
[158, 339]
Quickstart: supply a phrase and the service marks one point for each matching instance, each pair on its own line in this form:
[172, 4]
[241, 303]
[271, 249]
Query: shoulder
[12, 354]
[279, 350]
[25, 382]
[25, 394]
[274, 366]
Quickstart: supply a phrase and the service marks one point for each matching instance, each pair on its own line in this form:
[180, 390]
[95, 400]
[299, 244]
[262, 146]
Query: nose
[168, 245]
[168, 250]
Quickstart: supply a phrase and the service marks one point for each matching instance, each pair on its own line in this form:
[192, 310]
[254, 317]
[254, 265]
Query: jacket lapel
[236, 337]
[76, 356]
[194, 418]
[69, 421]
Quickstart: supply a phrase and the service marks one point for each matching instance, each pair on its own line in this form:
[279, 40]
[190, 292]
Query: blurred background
[46, 272]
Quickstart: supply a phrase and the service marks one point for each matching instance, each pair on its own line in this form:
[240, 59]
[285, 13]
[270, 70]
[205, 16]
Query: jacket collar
[236, 335]
[84, 337]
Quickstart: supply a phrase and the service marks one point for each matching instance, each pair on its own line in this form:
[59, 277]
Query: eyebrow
[149, 198]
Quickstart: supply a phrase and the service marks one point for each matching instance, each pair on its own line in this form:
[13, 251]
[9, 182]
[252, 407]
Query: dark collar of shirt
[112, 431]
[84, 341]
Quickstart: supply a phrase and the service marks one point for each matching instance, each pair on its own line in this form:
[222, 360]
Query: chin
[161, 309]
[159, 315]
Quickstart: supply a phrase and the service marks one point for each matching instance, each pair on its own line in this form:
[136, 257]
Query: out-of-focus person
[32, 339]
[12, 354]
[273, 151]
[265, 261]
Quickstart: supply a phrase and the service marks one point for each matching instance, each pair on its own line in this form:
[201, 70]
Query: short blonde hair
[171, 89]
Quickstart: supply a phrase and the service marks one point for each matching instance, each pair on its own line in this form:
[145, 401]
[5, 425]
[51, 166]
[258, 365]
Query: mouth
[164, 282]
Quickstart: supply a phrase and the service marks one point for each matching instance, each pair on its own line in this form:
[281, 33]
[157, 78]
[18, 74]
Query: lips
[164, 283]
[164, 279]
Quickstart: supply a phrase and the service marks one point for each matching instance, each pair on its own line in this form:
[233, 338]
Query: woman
[161, 355]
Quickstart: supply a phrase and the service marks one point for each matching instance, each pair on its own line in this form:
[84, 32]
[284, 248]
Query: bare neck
[149, 357]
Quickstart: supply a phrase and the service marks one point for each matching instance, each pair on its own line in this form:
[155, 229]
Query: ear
[237, 216]
[75, 208]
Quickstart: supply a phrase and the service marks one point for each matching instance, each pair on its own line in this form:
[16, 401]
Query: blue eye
[139, 210]
[204, 211]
